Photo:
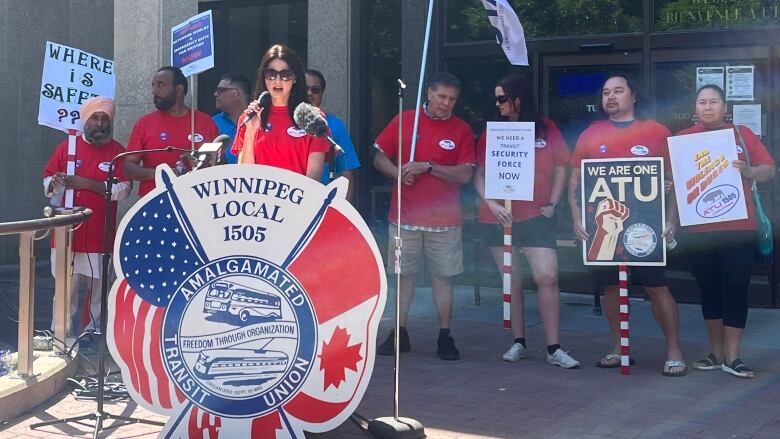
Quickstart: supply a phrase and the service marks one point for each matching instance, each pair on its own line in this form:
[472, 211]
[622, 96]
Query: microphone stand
[397, 427]
[100, 415]
[332, 161]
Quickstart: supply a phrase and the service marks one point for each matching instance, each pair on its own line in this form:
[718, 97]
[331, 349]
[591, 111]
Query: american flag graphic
[158, 248]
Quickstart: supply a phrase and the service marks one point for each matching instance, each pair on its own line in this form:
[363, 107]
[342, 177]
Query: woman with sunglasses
[272, 135]
[533, 227]
[721, 254]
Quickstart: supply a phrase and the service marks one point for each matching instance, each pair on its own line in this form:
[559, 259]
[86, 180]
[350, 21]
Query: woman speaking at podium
[272, 136]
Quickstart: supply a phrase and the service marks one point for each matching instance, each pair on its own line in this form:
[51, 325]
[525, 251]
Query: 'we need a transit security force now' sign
[246, 303]
[509, 161]
[623, 211]
[70, 77]
[708, 189]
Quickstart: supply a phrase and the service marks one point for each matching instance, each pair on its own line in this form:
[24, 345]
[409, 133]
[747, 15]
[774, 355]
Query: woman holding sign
[721, 254]
[533, 227]
[274, 139]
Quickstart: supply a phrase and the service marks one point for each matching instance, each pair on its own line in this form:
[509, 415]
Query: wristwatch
[551, 204]
[430, 167]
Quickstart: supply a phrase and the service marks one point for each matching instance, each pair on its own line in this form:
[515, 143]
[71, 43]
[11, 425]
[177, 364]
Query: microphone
[309, 118]
[264, 100]
[209, 150]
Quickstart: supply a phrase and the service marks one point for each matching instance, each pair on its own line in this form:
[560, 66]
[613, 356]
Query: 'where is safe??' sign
[246, 304]
[509, 161]
[70, 77]
[192, 44]
[623, 211]
[708, 189]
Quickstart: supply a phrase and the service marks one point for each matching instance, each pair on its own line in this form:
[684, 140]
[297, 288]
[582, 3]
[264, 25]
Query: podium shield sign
[246, 304]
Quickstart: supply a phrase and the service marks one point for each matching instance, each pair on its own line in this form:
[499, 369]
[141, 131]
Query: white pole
[422, 79]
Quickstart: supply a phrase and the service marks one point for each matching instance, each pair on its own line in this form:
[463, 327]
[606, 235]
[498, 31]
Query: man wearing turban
[95, 148]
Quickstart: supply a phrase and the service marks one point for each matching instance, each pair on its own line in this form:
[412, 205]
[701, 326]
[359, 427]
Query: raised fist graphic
[610, 215]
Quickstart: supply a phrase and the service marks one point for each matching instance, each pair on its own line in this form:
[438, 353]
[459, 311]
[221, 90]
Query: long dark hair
[516, 85]
[298, 92]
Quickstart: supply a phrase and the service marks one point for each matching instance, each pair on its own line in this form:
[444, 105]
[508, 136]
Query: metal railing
[61, 223]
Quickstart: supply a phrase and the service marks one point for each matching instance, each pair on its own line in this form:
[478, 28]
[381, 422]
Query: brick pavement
[484, 397]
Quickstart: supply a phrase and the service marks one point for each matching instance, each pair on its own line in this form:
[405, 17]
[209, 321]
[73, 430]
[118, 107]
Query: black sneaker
[447, 350]
[388, 347]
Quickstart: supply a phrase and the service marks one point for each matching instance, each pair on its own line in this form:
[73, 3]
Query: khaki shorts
[443, 251]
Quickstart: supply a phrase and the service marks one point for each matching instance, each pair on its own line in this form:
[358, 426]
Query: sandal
[710, 362]
[738, 369]
[669, 364]
[611, 361]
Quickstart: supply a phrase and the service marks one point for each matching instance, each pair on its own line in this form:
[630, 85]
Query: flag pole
[422, 79]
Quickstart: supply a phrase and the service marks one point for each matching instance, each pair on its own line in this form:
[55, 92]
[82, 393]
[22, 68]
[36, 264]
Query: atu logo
[717, 201]
[224, 316]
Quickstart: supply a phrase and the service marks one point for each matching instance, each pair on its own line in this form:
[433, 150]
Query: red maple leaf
[336, 357]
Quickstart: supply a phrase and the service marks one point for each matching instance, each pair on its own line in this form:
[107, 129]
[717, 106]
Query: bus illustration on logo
[225, 301]
[240, 363]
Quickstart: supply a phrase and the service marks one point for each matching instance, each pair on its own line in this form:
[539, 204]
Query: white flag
[509, 30]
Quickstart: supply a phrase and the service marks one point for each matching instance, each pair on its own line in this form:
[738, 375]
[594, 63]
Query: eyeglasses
[314, 90]
[285, 75]
[502, 99]
[221, 90]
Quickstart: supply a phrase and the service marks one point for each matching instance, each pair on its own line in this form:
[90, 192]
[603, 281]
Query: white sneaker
[563, 359]
[515, 353]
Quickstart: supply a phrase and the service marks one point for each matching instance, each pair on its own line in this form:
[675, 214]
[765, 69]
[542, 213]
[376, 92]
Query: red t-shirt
[550, 153]
[282, 144]
[603, 140]
[91, 162]
[758, 156]
[430, 201]
[159, 129]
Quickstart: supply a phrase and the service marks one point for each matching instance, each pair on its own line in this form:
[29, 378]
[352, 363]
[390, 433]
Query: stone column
[330, 33]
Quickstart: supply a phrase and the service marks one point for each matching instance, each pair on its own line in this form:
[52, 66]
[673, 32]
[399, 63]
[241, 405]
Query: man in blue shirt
[348, 161]
[231, 99]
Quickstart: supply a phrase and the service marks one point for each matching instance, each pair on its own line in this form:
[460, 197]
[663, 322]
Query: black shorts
[646, 276]
[535, 232]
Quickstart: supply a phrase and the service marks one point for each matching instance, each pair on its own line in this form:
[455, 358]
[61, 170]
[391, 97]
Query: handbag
[765, 244]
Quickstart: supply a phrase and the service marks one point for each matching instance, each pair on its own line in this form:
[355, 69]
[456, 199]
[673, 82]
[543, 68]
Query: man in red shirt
[622, 135]
[95, 149]
[430, 202]
[169, 125]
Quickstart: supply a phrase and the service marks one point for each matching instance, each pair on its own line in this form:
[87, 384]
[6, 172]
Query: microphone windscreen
[222, 138]
[309, 119]
[265, 99]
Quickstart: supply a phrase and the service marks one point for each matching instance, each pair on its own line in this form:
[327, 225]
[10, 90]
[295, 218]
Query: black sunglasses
[271, 74]
[221, 90]
[314, 90]
[502, 99]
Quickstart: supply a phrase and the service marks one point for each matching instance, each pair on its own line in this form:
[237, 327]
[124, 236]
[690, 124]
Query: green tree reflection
[467, 21]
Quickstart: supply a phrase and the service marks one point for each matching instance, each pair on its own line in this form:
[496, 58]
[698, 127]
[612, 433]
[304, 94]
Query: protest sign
[509, 161]
[192, 44]
[70, 77]
[707, 188]
[623, 211]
